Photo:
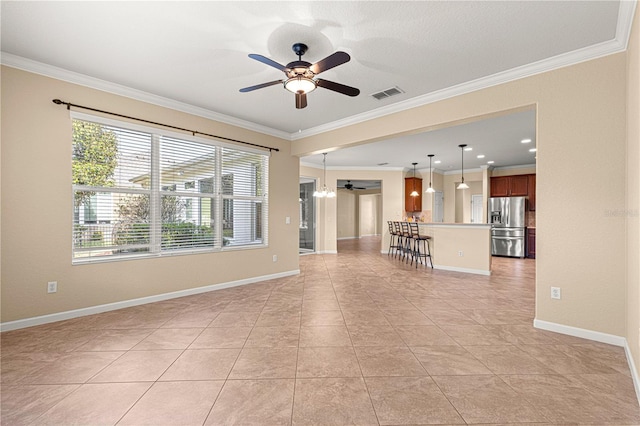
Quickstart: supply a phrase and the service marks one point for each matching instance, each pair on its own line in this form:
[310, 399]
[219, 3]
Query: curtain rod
[193, 132]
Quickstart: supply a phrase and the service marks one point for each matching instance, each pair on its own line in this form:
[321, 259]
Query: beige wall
[454, 199]
[369, 214]
[580, 113]
[37, 216]
[392, 200]
[347, 211]
[427, 199]
[359, 213]
[448, 240]
[633, 191]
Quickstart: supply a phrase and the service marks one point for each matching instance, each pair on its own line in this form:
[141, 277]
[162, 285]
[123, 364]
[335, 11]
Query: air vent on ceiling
[387, 93]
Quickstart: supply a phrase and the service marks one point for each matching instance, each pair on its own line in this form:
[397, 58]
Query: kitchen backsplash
[531, 219]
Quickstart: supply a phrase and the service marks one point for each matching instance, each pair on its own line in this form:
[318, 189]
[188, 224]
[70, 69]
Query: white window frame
[155, 193]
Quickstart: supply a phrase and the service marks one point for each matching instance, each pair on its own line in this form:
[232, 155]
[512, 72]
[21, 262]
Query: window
[143, 192]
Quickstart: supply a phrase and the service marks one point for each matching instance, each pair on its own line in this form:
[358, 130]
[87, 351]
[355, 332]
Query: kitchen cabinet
[531, 243]
[510, 186]
[532, 193]
[500, 186]
[412, 204]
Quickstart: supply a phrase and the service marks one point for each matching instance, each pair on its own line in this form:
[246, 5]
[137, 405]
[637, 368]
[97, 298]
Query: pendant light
[324, 191]
[462, 184]
[430, 189]
[414, 193]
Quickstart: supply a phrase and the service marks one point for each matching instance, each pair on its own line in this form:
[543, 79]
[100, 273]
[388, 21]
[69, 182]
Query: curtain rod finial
[57, 102]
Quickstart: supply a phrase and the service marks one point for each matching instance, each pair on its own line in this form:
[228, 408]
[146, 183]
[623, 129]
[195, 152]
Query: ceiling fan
[350, 186]
[301, 75]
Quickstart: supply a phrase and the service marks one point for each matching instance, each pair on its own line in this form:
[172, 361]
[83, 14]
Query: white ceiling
[192, 56]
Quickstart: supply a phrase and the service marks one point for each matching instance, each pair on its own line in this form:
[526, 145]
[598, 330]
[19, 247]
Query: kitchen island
[462, 247]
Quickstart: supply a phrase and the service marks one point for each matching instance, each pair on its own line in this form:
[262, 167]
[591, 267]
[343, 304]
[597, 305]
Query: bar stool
[400, 239]
[417, 240]
[393, 238]
[407, 250]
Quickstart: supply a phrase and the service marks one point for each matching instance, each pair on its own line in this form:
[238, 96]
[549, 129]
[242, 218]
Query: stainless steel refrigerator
[507, 219]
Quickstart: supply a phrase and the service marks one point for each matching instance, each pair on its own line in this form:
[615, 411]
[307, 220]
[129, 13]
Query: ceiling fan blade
[267, 61]
[260, 86]
[301, 100]
[337, 87]
[329, 62]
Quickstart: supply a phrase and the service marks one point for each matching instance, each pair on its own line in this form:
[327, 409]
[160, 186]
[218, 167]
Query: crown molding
[36, 67]
[354, 168]
[560, 61]
[522, 166]
[616, 45]
[455, 172]
[625, 21]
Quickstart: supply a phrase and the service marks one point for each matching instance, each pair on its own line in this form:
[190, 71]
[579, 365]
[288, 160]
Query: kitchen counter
[462, 247]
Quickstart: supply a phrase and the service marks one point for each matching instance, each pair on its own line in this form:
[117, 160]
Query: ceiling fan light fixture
[300, 84]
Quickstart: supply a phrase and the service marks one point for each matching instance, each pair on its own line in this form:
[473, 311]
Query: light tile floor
[356, 338]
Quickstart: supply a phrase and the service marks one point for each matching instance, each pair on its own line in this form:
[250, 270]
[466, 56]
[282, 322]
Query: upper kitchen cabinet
[412, 204]
[532, 192]
[515, 186]
[510, 186]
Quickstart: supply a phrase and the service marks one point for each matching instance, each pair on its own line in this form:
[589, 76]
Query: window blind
[148, 193]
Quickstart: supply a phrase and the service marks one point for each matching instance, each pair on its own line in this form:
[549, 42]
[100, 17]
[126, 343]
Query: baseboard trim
[465, 270]
[596, 336]
[60, 316]
[632, 368]
[452, 268]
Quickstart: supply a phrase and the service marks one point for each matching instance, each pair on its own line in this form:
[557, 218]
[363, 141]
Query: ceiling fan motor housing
[299, 68]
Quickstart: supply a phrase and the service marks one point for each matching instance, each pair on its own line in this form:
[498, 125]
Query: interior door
[476, 208]
[438, 207]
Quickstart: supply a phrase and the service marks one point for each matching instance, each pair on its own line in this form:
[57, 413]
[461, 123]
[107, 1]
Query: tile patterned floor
[356, 338]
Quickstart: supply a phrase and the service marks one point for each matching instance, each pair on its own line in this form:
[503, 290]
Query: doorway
[438, 206]
[307, 212]
[476, 208]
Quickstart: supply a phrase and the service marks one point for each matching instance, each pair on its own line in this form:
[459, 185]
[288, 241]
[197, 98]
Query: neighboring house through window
[144, 192]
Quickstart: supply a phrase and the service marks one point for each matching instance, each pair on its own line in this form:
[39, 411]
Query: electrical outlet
[460, 253]
[287, 220]
[275, 257]
[555, 293]
[52, 287]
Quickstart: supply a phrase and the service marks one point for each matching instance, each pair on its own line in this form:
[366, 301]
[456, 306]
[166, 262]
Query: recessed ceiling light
[533, 150]
[468, 148]
[437, 161]
[490, 162]
[525, 140]
[481, 156]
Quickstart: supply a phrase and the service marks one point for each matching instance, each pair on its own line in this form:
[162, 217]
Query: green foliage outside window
[95, 152]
